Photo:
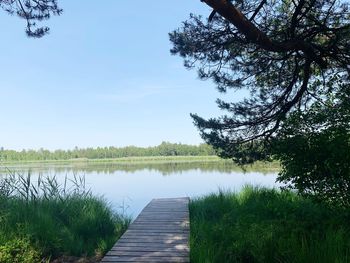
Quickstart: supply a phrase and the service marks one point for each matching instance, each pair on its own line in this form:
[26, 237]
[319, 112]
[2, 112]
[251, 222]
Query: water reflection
[131, 186]
[165, 169]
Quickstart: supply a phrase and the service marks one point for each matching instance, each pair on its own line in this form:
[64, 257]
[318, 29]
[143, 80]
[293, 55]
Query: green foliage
[18, 251]
[314, 150]
[164, 149]
[56, 220]
[265, 225]
[318, 165]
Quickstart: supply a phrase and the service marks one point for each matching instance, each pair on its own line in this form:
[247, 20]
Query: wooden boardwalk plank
[148, 249]
[159, 234]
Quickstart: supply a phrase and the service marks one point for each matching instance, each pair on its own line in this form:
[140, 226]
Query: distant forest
[164, 149]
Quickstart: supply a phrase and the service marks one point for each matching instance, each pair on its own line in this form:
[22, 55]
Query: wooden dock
[159, 234]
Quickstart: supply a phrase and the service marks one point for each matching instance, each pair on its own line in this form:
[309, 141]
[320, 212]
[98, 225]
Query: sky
[104, 76]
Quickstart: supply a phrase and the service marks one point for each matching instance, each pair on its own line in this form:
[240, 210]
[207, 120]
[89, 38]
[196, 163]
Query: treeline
[164, 149]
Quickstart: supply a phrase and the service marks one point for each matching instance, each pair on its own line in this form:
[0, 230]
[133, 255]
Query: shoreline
[177, 158]
[144, 162]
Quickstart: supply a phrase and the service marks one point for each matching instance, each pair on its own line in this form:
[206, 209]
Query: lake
[129, 187]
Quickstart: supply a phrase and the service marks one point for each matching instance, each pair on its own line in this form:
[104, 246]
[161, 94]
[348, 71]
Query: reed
[47, 219]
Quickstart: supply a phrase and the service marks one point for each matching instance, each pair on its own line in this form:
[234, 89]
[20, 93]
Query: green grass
[45, 220]
[265, 225]
[139, 159]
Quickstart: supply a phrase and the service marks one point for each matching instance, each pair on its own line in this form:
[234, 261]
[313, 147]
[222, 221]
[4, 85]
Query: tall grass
[265, 225]
[50, 219]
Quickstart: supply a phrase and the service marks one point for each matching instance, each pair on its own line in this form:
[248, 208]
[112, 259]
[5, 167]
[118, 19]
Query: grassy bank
[263, 225]
[44, 221]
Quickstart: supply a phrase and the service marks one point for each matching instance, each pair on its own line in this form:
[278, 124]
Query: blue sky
[104, 76]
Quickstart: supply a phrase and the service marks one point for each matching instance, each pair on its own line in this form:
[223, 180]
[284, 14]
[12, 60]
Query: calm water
[130, 187]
